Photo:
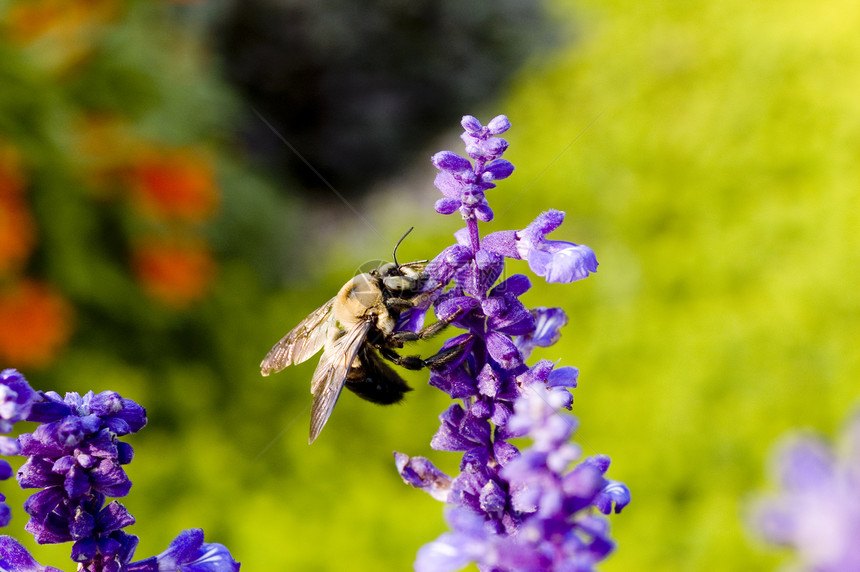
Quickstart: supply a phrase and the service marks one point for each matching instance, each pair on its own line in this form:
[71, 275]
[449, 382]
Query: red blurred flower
[176, 184]
[17, 228]
[35, 324]
[12, 178]
[176, 273]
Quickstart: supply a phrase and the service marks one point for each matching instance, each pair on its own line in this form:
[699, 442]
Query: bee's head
[401, 278]
[398, 279]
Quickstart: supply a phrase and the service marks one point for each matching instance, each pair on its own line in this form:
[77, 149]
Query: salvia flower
[509, 509]
[76, 458]
[555, 260]
[816, 512]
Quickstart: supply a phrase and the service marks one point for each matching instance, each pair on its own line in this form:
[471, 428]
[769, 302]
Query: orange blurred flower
[177, 184]
[101, 147]
[35, 324]
[17, 233]
[62, 32]
[176, 273]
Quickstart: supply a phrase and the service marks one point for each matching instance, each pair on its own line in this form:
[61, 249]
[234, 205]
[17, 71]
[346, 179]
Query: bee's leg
[445, 357]
[409, 362]
[437, 361]
[399, 304]
[403, 304]
[427, 332]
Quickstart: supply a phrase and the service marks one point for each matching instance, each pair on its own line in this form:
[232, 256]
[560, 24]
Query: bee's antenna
[394, 254]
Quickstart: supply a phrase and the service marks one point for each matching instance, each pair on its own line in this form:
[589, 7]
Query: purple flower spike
[15, 558]
[817, 512]
[532, 510]
[188, 553]
[75, 457]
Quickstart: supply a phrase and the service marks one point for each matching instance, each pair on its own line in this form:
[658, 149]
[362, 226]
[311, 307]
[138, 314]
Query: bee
[357, 329]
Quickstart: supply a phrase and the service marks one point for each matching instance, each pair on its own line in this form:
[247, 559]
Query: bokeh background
[182, 182]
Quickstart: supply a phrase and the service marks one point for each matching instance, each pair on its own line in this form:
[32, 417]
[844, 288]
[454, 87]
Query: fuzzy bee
[357, 329]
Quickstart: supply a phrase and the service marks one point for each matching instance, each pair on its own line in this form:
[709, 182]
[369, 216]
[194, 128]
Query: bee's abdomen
[370, 378]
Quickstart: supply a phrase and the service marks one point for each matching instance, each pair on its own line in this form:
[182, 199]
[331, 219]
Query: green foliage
[707, 151]
[713, 168]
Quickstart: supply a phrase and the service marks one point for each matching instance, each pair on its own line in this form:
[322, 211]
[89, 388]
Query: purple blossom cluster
[510, 509]
[816, 512]
[76, 459]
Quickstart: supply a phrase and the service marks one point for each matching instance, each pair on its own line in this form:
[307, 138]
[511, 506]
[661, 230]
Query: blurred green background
[156, 238]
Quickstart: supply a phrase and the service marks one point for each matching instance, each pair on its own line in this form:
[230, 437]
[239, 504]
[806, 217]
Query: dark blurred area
[358, 87]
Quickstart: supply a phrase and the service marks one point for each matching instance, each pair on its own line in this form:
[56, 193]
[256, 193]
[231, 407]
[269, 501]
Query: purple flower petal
[516, 320]
[562, 261]
[483, 212]
[6, 470]
[188, 553]
[548, 322]
[614, 493]
[471, 124]
[489, 382]
[15, 558]
[503, 350]
[565, 376]
[515, 285]
[534, 233]
[16, 399]
[498, 169]
[110, 479]
[451, 162]
[456, 383]
[9, 446]
[5, 518]
[503, 243]
[37, 473]
[448, 185]
[446, 205]
[557, 261]
[492, 498]
[422, 474]
[498, 125]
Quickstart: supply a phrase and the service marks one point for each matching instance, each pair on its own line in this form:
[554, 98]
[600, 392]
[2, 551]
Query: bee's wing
[301, 342]
[331, 372]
